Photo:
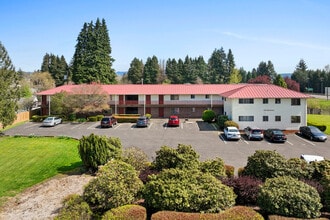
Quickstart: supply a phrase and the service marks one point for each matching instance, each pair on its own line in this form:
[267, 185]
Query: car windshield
[277, 132]
[142, 119]
[256, 132]
[105, 119]
[233, 130]
[48, 119]
[314, 129]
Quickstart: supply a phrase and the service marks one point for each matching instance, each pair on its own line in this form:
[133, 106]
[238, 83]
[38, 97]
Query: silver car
[51, 121]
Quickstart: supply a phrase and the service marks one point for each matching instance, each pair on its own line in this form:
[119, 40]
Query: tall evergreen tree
[201, 68]
[172, 71]
[57, 67]
[135, 72]
[189, 71]
[300, 75]
[151, 71]
[92, 61]
[9, 88]
[217, 66]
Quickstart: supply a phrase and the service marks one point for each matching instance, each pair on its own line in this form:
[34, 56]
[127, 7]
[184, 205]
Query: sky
[281, 31]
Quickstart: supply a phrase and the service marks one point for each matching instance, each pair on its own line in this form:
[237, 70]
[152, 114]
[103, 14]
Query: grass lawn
[320, 120]
[25, 161]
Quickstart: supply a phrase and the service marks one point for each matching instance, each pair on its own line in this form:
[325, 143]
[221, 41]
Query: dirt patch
[43, 200]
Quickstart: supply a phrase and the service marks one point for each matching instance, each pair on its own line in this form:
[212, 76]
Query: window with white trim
[277, 118]
[295, 119]
[265, 118]
[245, 101]
[174, 97]
[295, 101]
[246, 118]
[277, 101]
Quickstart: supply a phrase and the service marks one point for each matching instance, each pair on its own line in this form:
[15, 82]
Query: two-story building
[259, 105]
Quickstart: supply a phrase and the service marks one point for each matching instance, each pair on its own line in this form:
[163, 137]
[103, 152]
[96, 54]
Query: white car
[311, 158]
[232, 133]
[51, 121]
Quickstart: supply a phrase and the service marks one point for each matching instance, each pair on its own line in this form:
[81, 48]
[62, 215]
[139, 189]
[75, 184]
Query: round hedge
[290, 197]
[187, 191]
[116, 184]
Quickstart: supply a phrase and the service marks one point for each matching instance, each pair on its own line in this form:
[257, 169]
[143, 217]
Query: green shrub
[221, 119]
[265, 164]
[116, 184]
[97, 150]
[231, 124]
[72, 117]
[208, 115]
[298, 168]
[99, 117]
[135, 157]
[215, 167]
[288, 196]
[148, 115]
[92, 118]
[187, 191]
[182, 157]
[74, 208]
[320, 168]
[325, 195]
[126, 212]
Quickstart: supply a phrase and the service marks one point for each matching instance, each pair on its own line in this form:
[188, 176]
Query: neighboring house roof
[225, 90]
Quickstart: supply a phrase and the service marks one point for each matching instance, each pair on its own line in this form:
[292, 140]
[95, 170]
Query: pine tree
[92, 61]
[280, 81]
[151, 71]
[217, 66]
[57, 67]
[300, 75]
[9, 89]
[135, 72]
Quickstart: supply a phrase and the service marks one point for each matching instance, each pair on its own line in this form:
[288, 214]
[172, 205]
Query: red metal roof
[263, 91]
[225, 90]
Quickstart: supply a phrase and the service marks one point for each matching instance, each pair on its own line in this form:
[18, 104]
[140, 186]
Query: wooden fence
[20, 117]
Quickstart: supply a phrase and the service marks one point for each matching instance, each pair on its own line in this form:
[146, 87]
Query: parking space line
[307, 141]
[117, 126]
[150, 125]
[78, 125]
[289, 143]
[93, 126]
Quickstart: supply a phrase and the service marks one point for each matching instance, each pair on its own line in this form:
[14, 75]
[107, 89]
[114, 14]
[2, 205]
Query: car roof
[310, 158]
[231, 127]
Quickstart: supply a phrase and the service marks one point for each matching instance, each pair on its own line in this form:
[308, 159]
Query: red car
[173, 120]
[108, 122]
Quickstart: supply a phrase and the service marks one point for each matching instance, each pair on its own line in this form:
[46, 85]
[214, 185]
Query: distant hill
[284, 75]
[120, 73]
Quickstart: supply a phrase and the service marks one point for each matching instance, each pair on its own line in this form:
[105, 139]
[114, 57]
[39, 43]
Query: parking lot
[202, 136]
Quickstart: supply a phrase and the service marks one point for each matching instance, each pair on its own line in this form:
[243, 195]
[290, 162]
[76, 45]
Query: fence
[20, 117]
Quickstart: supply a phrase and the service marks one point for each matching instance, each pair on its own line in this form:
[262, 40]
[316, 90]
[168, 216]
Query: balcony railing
[172, 102]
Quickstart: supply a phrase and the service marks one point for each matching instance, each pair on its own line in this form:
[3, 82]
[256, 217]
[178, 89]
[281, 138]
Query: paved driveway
[203, 137]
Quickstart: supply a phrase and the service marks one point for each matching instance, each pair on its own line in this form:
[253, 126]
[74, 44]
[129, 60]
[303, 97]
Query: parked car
[108, 122]
[313, 133]
[275, 135]
[232, 133]
[51, 121]
[311, 158]
[142, 121]
[254, 133]
[173, 120]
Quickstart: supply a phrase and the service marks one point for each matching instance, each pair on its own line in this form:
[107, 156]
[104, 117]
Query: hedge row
[127, 118]
[321, 127]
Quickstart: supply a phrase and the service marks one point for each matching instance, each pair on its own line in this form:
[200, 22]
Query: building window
[192, 96]
[245, 118]
[264, 101]
[295, 119]
[265, 118]
[207, 96]
[277, 118]
[295, 101]
[245, 101]
[277, 101]
[193, 109]
[174, 97]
